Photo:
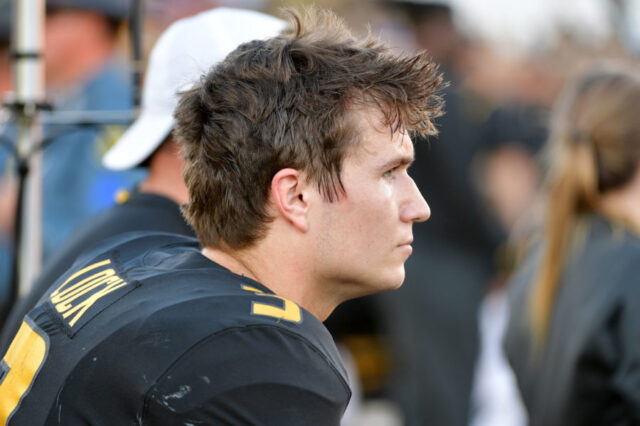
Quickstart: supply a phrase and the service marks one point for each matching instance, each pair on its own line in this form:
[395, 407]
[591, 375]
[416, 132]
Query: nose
[415, 209]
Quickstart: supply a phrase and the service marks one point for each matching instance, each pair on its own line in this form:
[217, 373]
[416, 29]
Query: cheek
[372, 222]
[346, 228]
[365, 216]
[379, 207]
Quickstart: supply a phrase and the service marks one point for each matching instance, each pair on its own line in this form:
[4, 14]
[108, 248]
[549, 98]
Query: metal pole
[136, 23]
[28, 41]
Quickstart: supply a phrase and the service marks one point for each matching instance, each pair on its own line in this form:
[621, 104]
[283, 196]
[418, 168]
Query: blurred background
[429, 353]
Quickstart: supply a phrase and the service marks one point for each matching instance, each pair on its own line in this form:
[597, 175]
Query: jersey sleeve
[249, 375]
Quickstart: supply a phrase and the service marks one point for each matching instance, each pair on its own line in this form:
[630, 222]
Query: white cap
[182, 54]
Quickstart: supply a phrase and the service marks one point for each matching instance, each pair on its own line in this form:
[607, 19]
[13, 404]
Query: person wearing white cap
[187, 49]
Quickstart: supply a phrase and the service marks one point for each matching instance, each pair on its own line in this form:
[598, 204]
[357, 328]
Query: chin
[399, 279]
[393, 282]
[396, 285]
[374, 281]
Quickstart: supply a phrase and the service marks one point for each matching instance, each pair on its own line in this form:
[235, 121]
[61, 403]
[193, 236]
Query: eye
[389, 173]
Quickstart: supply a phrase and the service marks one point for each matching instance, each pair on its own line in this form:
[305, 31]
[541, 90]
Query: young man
[296, 154]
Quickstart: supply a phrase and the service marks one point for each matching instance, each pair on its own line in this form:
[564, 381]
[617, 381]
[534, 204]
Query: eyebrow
[404, 160]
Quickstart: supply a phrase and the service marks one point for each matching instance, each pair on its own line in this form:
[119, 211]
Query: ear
[290, 196]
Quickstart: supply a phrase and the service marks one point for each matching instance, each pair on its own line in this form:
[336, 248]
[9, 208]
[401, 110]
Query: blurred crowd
[431, 352]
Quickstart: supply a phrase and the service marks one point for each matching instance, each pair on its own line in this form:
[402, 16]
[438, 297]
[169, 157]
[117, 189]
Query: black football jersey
[146, 330]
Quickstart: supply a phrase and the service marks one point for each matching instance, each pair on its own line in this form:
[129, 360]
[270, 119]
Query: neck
[281, 268]
[165, 176]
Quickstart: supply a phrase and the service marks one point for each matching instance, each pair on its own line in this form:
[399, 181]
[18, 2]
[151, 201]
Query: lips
[406, 247]
[407, 243]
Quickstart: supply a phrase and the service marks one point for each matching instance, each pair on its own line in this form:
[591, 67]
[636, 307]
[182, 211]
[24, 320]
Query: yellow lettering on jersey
[290, 312]
[24, 358]
[82, 307]
[81, 272]
[100, 283]
[63, 298]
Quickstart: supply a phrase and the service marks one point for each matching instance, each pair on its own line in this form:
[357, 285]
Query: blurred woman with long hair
[574, 335]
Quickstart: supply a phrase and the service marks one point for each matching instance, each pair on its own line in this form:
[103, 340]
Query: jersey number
[20, 367]
[290, 311]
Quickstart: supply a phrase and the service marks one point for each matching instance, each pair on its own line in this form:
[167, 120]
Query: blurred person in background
[82, 73]
[507, 175]
[573, 339]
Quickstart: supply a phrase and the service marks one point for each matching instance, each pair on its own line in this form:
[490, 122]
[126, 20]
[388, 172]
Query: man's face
[70, 37]
[364, 238]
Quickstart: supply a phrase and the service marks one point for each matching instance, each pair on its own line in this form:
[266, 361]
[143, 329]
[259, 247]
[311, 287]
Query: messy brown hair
[594, 149]
[283, 102]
